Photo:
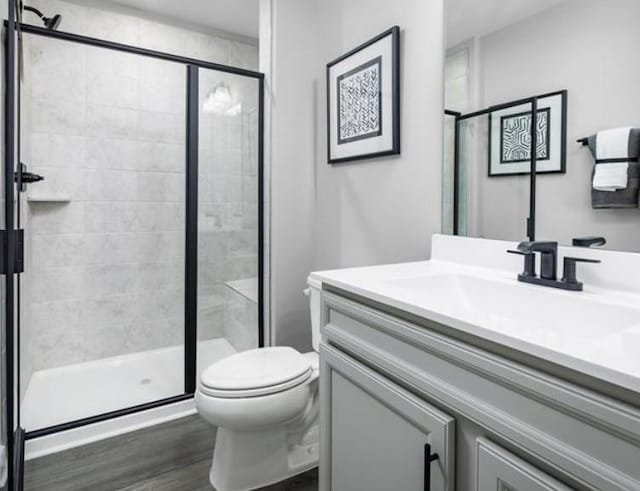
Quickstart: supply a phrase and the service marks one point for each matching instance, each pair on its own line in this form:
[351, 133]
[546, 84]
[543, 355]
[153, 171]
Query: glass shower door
[229, 213]
[102, 297]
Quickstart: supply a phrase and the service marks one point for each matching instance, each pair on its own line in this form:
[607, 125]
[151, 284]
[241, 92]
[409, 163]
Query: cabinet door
[377, 436]
[500, 470]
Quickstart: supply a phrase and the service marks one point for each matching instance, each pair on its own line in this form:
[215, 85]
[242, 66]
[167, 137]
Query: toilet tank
[313, 292]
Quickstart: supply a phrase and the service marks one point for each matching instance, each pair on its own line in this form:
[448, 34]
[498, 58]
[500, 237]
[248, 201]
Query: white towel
[612, 144]
[611, 177]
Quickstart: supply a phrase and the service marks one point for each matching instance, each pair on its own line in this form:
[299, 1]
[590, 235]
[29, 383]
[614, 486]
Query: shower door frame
[13, 433]
[192, 66]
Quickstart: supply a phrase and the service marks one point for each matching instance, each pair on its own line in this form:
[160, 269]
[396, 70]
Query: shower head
[52, 22]
[49, 22]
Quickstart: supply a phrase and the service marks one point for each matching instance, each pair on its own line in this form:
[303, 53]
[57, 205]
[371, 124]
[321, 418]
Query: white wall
[588, 47]
[385, 210]
[294, 75]
[376, 211]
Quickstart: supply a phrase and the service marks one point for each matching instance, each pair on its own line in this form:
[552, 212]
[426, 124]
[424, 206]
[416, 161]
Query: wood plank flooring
[175, 456]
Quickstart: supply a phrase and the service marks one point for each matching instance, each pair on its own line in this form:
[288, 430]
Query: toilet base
[243, 461]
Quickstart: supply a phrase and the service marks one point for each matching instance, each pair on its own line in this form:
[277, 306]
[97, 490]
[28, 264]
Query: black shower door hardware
[428, 459]
[22, 177]
[14, 240]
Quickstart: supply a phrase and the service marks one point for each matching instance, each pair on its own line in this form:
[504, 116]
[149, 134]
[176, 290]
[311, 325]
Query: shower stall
[137, 260]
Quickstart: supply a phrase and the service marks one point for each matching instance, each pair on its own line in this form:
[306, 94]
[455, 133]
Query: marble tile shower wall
[107, 131]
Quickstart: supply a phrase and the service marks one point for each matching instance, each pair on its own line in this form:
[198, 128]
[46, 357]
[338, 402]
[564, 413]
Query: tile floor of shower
[68, 393]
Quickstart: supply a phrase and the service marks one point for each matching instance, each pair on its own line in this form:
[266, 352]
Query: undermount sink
[513, 307]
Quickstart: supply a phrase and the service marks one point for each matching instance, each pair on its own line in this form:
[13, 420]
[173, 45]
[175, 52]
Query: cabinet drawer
[376, 436]
[501, 470]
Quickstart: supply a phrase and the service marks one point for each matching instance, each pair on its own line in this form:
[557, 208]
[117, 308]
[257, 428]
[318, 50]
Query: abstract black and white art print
[363, 101]
[510, 137]
[515, 137]
[360, 102]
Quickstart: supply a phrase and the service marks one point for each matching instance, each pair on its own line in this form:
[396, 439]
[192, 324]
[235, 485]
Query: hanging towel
[612, 147]
[614, 144]
[603, 148]
[611, 177]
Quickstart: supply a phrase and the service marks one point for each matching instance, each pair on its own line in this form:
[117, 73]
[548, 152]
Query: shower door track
[191, 179]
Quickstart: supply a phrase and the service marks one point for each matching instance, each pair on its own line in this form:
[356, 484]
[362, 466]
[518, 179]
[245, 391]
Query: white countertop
[596, 332]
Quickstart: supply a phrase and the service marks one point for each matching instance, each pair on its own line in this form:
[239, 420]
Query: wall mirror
[567, 65]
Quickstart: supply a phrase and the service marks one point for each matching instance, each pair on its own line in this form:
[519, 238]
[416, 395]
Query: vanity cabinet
[392, 382]
[370, 421]
[500, 470]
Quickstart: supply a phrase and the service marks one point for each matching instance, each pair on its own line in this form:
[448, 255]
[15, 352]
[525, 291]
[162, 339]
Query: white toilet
[264, 403]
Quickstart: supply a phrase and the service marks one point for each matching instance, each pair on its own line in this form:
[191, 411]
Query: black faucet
[548, 257]
[548, 266]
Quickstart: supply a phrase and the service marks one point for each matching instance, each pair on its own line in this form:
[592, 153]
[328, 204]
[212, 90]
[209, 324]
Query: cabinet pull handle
[428, 458]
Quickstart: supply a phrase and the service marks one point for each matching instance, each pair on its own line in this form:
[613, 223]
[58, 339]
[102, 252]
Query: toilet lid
[257, 369]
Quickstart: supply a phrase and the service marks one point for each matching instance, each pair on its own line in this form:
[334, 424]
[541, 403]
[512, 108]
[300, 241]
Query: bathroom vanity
[450, 374]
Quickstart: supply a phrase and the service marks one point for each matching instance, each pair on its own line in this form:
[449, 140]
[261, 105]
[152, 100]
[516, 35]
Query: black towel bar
[584, 141]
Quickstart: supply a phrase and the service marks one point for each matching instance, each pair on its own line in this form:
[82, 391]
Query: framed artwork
[510, 137]
[363, 100]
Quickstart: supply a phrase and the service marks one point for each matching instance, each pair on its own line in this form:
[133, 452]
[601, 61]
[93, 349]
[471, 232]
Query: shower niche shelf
[49, 198]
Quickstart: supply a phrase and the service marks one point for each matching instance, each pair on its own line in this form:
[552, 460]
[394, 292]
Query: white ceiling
[474, 18]
[239, 17]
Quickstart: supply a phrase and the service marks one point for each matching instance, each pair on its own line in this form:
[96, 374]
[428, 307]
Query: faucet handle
[583, 260]
[569, 267]
[520, 253]
[529, 262]
[590, 241]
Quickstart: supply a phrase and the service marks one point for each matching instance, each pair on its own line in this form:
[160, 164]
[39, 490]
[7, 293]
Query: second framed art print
[510, 137]
[363, 100]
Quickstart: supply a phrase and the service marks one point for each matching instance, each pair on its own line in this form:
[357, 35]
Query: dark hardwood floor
[174, 456]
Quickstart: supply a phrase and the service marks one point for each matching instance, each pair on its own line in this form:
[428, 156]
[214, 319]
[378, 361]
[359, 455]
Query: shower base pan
[60, 395]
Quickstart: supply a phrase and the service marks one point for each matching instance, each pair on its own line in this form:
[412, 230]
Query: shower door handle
[23, 177]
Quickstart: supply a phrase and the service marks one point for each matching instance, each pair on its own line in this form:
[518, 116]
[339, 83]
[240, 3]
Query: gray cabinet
[501, 470]
[377, 436]
[385, 372]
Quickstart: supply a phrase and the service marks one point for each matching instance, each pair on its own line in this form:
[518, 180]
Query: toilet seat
[257, 372]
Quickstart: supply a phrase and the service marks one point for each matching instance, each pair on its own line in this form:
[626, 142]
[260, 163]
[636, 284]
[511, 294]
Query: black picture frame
[563, 94]
[334, 81]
